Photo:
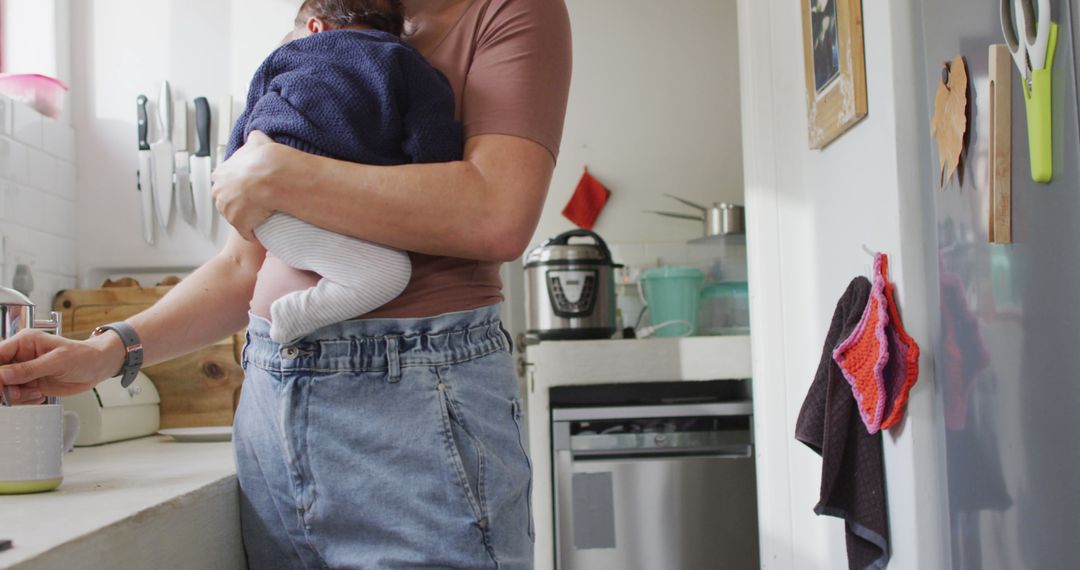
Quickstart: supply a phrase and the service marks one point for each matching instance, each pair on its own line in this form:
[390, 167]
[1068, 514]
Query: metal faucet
[16, 314]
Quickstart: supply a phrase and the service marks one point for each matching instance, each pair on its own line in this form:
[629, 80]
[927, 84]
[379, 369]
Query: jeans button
[290, 352]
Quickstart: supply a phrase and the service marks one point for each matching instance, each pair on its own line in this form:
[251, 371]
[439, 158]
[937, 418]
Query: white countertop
[116, 495]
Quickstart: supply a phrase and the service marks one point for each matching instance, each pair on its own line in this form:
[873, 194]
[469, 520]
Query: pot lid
[578, 252]
[13, 297]
[559, 250]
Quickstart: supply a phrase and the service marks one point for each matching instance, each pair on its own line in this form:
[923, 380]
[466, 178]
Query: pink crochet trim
[905, 364]
[869, 389]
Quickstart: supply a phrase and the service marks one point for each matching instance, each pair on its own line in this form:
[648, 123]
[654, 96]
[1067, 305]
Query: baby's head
[324, 15]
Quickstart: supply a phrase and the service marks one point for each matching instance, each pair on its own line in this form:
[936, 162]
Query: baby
[345, 86]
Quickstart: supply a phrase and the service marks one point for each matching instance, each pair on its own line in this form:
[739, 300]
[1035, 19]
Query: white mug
[33, 440]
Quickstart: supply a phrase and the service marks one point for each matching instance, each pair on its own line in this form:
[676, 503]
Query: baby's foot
[289, 323]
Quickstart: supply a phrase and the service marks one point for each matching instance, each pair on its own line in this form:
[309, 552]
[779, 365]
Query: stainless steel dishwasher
[660, 487]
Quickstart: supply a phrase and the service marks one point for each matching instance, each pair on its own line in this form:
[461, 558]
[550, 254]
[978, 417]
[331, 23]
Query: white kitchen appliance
[111, 412]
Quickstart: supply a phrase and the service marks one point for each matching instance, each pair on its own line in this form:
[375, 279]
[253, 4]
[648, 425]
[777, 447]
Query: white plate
[199, 434]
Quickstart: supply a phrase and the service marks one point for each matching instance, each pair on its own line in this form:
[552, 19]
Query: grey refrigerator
[1007, 343]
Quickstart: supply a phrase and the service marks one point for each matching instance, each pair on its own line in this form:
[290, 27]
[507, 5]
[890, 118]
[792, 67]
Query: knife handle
[165, 110]
[144, 123]
[202, 126]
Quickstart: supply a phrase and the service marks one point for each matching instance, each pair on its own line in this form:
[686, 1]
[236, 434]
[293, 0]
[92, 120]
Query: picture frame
[835, 68]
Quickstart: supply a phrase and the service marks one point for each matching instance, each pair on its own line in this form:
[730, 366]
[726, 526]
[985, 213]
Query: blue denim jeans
[384, 444]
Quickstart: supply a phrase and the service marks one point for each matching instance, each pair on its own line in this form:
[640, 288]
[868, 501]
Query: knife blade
[164, 165]
[182, 180]
[145, 174]
[200, 170]
[225, 125]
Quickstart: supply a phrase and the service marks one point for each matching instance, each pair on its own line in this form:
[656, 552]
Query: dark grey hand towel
[852, 471]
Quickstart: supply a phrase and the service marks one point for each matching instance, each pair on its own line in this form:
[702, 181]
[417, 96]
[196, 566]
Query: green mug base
[29, 487]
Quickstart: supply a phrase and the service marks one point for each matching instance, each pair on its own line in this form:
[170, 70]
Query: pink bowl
[43, 94]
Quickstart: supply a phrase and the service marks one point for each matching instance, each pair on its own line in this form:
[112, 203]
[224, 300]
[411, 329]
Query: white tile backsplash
[65, 179]
[5, 116]
[41, 170]
[26, 125]
[721, 261]
[58, 139]
[37, 199]
[12, 160]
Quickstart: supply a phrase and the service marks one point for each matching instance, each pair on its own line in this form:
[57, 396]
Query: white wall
[810, 214]
[123, 48]
[653, 109]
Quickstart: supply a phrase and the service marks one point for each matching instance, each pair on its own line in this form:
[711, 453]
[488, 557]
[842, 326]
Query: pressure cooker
[570, 288]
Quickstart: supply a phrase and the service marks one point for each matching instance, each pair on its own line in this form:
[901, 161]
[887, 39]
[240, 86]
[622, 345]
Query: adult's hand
[242, 185]
[34, 364]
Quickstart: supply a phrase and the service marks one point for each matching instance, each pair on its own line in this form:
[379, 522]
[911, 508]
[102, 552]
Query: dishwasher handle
[718, 409]
[714, 452]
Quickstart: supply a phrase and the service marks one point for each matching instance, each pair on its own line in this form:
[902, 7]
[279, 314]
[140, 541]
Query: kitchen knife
[145, 173]
[164, 166]
[200, 170]
[184, 201]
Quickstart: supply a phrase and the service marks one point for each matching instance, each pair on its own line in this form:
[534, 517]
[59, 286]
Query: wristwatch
[133, 348]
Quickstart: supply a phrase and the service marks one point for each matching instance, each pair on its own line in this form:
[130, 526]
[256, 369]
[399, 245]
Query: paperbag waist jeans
[384, 444]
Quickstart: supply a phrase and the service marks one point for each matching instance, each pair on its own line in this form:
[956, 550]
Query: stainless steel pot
[721, 219]
[18, 313]
[570, 289]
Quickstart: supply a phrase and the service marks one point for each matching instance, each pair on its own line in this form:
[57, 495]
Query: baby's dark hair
[383, 15]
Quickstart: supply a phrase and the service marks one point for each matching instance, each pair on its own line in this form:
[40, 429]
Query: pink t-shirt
[509, 63]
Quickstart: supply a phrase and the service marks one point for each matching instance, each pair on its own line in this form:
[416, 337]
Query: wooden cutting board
[197, 390]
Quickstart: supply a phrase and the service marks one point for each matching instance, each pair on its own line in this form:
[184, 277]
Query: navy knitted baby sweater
[361, 96]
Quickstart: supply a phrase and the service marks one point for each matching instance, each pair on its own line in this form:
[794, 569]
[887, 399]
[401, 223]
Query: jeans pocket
[509, 339]
[466, 455]
[244, 351]
[518, 412]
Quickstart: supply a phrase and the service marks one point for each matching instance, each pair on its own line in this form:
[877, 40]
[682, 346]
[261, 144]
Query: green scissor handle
[1040, 114]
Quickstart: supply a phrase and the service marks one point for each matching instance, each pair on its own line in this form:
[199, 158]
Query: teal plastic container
[673, 295]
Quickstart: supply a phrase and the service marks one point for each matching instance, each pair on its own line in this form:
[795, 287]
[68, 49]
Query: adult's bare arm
[207, 306]
[211, 304]
[484, 207]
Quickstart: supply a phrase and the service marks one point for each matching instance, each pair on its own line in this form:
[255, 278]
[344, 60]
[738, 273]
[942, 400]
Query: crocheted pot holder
[862, 356]
[902, 372]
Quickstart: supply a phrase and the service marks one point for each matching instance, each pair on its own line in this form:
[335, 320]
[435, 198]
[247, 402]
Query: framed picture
[835, 67]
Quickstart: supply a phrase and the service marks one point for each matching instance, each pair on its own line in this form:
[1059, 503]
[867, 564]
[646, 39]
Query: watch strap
[133, 349]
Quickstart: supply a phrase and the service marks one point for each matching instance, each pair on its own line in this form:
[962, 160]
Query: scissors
[1032, 37]
[1027, 34]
